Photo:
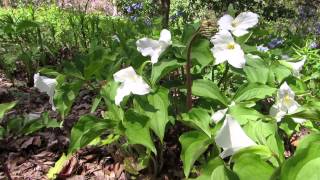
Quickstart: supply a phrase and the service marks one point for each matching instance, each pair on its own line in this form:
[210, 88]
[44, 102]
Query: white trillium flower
[232, 138]
[130, 83]
[225, 49]
[285, 104]
[239, 25]
[47, 85]
[297, 67]
[154, 48]
[219, 115]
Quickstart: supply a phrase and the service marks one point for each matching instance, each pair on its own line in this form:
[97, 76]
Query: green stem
[143, 66]
[224, 76]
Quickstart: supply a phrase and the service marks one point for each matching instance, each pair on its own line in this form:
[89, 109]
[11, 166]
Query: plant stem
[224, 76]
[188, 68]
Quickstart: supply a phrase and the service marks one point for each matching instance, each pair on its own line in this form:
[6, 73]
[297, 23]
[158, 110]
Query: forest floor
[31, 156]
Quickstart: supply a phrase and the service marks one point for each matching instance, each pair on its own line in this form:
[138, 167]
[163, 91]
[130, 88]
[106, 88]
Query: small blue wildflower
[137, 6]
[134, 18]
[128, 9]
[262, 48]
[275, 43]
[313, 45]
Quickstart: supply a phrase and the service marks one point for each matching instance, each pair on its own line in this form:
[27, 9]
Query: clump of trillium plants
[235, 129]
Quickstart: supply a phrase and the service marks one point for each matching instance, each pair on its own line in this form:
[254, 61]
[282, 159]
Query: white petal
[231, 136]
[299, 120]
[147, 47]
[219, 55]
[139, 86]
[122, 91]
[225, 22]
[124, 74]
[218, 116]
[296, 67]
[47, 85]
[222, 38]
[277, 112]
[239, 32]
[236, 57]
[246, 20]
[165, 36]
[285, 90]
[293, 107]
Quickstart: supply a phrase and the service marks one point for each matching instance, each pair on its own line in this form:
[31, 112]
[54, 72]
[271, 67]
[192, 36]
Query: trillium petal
[165, 36]
[122, 91]
[222, 38]
[285, 90]
[246, 20]
[47, 85]
[277, 112]
[231, 136]
[218, 116]
[124, 74]
[236, 57]
[239, 32]
[219, 55]
[225, 22]
[139, 87]
[299, 120]
[297, 67]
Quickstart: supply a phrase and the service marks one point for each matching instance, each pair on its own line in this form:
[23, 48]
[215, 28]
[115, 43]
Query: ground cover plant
[215, 95]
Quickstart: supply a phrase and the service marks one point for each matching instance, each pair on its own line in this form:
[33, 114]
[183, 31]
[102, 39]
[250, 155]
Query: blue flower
[128, 9]
[275, 43]
[313, 45]
[138, 5]
[134, 18]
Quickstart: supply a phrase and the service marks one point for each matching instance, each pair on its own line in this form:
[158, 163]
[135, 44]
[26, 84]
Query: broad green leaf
[307, 141]
[157, 112]
[251, 167]
[215, 169]
[201, 52]
[193, 143]
[52, 174]
[162, 68]
[253, 92]
[65, 94]
[256, 70]
[137, 130]
[198, 118]
[208, 89]
[85, 130]
[223, 173]
[95, 104]
[304, 163]
[262, 151]
[5, 107]
[244, 114]
[280, 71]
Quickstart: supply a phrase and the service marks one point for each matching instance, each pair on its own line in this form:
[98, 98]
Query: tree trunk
[6, 3]
[165, 13]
